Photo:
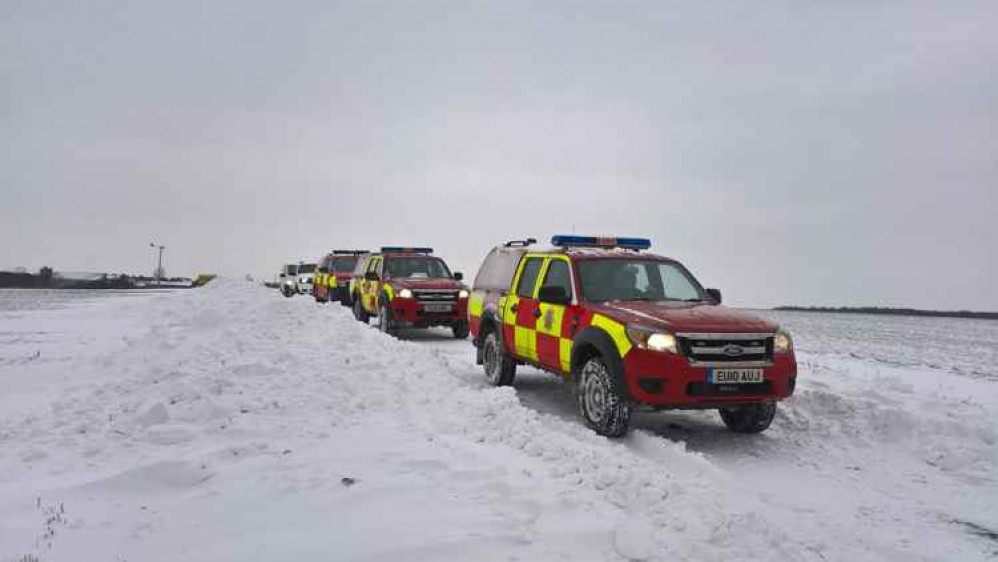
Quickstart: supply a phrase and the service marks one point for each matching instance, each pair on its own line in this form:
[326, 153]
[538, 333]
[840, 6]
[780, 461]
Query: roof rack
[568, 241]
[350, 252]
[404, 250]
[520, 243]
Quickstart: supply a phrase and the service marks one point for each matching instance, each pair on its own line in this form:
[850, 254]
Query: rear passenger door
[520, 316]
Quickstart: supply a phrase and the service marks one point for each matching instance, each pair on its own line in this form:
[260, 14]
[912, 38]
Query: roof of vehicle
[587, 247]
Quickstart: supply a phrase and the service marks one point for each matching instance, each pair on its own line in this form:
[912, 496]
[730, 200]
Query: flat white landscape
[229, 423]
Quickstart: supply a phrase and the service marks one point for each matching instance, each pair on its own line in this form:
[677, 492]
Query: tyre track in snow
[861, 451]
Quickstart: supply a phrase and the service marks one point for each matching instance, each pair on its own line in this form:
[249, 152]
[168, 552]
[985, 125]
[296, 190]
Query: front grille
[435, 295]
[722, 349]
[704, 389]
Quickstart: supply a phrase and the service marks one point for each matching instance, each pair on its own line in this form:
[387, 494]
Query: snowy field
[229, 423]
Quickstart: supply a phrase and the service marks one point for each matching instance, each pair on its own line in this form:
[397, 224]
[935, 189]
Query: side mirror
[371, 276]
[284, 275]
[715, 294]
[458, 276]
[552, 294]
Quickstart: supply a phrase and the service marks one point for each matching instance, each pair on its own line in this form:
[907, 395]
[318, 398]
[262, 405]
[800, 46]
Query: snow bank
[235, 424]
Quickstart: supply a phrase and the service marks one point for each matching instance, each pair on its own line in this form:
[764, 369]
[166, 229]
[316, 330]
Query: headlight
[782, 342]
[655, 341]
[462, 294]
[405, 294]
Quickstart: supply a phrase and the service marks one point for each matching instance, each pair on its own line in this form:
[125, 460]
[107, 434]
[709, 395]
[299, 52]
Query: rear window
[306, 268]
[496, 274]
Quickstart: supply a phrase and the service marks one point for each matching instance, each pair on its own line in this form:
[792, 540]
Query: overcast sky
[818, 152]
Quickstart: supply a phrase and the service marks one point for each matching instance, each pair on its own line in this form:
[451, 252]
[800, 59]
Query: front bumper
[670, 381]
[412, 313]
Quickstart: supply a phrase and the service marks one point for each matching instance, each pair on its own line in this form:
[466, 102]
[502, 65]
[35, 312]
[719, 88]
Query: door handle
[514, 309]
[537, 313]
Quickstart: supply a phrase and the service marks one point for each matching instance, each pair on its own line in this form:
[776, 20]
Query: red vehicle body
[332, 276]
[408, 288]
[649, 348]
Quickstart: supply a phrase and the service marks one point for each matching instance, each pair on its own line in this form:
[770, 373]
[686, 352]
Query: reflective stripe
[476, 304]
[565, 354]
[525, 341]
[616, 331]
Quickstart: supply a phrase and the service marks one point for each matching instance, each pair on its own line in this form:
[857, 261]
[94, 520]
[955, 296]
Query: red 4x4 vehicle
[632, 328]
[332, 278]
[409, 288]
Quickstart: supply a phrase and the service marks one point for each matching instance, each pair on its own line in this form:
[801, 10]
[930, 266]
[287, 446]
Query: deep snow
[229, 423]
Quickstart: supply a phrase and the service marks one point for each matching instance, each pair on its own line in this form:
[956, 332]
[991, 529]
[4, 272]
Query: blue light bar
[566, 241]
[401, 250]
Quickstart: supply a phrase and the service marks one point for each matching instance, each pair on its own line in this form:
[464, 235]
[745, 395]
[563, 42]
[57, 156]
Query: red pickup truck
[633, 329]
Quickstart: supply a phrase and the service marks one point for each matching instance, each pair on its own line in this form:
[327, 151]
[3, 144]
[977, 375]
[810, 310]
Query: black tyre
[358, 311]
[601, 401]
[287, 292]
[748, 418]
[499, 367]
[460, 330]
[385, 323]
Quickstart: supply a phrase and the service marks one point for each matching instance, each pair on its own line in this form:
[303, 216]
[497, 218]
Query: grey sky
[787, 152]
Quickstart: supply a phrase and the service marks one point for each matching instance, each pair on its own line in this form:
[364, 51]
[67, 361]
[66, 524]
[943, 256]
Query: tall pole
[159, 265]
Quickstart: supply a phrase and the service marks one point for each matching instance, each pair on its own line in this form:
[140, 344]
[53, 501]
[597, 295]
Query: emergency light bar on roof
[566, 241]
[401, 250]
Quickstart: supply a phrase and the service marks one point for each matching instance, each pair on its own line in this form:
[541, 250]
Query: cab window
[528, 277]
[558, 276]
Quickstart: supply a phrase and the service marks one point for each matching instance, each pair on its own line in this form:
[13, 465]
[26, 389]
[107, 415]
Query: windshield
[343, 265]
[306, 268]
[626, 279]
[428, 268]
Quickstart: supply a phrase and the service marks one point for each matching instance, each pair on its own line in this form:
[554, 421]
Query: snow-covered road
[231, 424]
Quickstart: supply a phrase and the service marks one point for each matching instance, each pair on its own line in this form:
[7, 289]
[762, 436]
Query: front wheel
[358, 311]
[460, 330]
[749, 418]
[601, 402]
[286, 291]
[499, 367]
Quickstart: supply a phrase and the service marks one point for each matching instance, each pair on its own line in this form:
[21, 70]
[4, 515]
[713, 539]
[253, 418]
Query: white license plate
[438, 307]
[734, 376]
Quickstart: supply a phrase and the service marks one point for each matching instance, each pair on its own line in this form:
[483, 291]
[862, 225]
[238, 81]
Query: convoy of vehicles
[632, 329]
[409, 288]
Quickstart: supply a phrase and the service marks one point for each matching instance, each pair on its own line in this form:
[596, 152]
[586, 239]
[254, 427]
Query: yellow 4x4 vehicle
[409, 288]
